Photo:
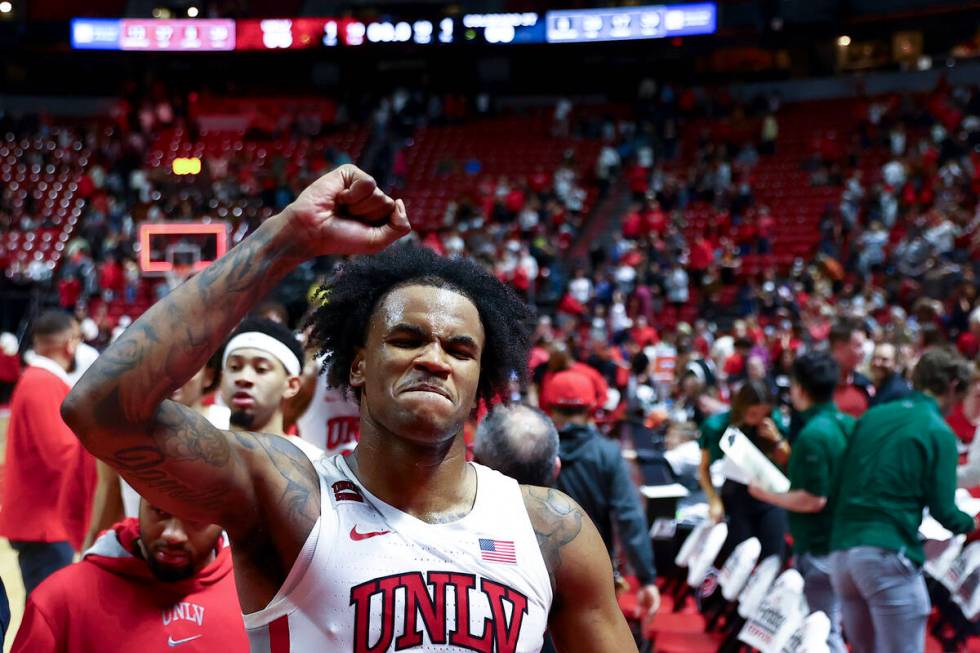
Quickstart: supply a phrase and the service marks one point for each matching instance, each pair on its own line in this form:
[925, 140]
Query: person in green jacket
[813, 462]
[900, 459]
[752, 412]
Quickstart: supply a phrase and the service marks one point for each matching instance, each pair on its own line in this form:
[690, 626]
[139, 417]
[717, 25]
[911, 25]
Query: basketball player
[261, 369]
[403, 543]
[147, 584]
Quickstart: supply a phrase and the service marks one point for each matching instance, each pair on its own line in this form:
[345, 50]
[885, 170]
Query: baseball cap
[569, 388]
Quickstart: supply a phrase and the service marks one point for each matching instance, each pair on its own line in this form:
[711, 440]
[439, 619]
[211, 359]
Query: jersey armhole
[282, 603]
[539, 558]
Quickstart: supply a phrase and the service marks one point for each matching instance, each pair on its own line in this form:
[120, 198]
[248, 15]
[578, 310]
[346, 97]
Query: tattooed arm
[584, 613]
[120, 410]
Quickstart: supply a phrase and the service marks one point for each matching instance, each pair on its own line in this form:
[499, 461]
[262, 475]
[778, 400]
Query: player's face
[253, 385]
[174, 548]
[420, 367]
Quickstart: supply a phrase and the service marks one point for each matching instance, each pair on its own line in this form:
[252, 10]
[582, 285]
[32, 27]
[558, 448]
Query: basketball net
[178, 274]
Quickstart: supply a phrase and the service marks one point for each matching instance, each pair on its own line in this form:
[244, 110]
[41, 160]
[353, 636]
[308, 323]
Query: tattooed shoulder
[298, 489]
[556, 520]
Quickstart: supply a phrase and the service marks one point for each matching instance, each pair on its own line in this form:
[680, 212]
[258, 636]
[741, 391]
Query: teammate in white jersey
[332, 419]
[452, 564]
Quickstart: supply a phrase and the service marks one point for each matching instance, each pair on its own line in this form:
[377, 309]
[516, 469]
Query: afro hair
[350, 297]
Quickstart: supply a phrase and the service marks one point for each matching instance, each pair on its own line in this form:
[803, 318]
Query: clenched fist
[344, 212]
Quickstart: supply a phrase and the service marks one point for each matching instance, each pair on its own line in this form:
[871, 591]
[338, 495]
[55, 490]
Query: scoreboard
[559, 26]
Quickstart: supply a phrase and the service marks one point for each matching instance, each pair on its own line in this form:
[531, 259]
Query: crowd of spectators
[897, 255]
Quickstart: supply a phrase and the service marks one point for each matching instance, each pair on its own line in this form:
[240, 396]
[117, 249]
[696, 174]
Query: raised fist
[344, 212]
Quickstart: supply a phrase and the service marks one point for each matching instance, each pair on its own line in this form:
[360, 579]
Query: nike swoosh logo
[357, 537]
[171, 642]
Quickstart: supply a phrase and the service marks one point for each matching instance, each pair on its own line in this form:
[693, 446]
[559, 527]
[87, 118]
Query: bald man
[521, 442]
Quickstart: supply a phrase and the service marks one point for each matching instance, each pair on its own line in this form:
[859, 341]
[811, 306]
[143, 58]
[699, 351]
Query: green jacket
[715, 426]
[813, 464]
[901, 458]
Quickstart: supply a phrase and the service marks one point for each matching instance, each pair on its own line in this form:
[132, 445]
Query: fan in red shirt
[49, 478]
[145, 585]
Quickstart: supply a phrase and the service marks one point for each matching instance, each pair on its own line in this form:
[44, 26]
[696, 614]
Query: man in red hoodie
[49, 477]
[146, 585]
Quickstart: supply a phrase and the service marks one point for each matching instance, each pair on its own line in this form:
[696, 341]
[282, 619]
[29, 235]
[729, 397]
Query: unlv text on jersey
[425, 610]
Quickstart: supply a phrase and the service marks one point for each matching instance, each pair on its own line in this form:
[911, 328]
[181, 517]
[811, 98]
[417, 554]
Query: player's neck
[430, 483]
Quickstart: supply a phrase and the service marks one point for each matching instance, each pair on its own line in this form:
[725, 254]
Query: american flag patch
[498, 551]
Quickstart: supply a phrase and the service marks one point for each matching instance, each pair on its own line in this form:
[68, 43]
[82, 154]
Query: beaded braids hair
[339, 326]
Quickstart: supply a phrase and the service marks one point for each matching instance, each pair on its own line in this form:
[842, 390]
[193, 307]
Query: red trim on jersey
[279, 635]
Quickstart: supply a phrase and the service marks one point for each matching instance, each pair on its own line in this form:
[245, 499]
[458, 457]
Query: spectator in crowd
[890, 384]
[854, 391]
[49, 478]
[521, 442]
[901, 459]
[752, 412]
[594, 473]
[964, 418]
[812, 470]
[147, 567]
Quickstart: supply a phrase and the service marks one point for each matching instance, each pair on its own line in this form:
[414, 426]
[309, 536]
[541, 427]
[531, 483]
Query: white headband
[268, 344]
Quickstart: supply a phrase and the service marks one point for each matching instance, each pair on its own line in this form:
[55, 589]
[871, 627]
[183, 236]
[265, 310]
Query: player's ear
[357, 369]
[293, 386]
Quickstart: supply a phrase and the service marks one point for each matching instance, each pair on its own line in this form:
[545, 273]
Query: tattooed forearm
[556, 521]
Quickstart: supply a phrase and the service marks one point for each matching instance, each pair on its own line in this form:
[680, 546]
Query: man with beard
[49, 479]
[890, 385]
[403, 543]
[145, 585]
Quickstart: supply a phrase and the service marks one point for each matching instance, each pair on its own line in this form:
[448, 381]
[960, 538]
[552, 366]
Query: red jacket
[110, 601]
[49, 478]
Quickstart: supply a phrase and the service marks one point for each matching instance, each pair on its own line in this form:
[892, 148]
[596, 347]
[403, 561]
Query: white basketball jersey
[371, 578]
[332, 421]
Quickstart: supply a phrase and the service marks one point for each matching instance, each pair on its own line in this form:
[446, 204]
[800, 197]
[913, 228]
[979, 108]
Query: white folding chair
[758, 584]
[941, 555]
[693, 543]
[962, 566]
[811, 636]
[967, 595]
[778, 616]
[700, 563]
[732, 578]
[737, 569]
